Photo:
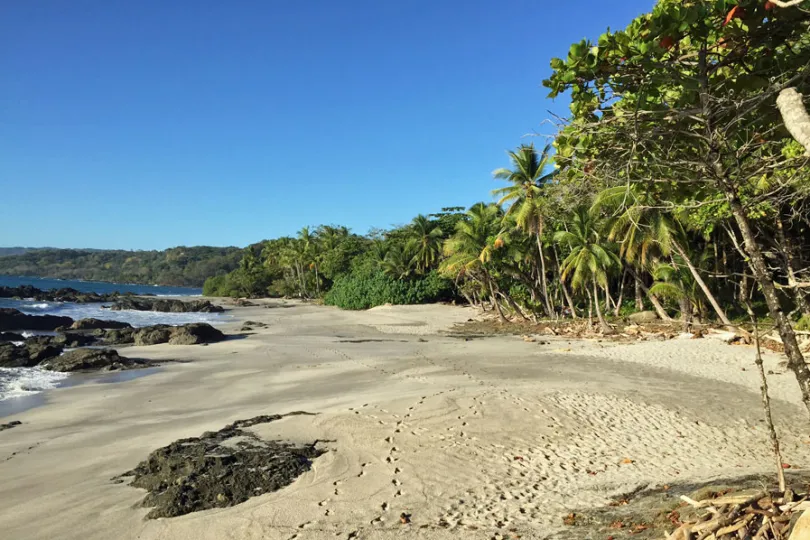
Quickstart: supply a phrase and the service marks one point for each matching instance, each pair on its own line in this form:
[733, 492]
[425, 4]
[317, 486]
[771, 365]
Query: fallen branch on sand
[752, 514]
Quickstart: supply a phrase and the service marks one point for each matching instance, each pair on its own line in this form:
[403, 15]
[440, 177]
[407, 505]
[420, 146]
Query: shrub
[368, 287]
[804, 324]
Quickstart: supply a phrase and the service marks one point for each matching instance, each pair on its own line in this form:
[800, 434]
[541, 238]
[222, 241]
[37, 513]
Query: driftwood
[752, 514]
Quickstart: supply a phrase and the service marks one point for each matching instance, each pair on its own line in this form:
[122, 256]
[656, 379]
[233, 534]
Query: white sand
[481, 436]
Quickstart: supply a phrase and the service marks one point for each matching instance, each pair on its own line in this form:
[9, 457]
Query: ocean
[26, 382]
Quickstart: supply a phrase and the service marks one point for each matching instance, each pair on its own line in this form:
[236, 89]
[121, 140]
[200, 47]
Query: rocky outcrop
[187, 334]
[92, 324]
[219, 469]
[169, 305]
[93, 360]
[14, 319]
[11, 336]
[153, 335]
[27, 355]
[194, 334]
[66, 294]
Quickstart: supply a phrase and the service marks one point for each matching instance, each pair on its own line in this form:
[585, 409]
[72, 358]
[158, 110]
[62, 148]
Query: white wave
[17, 343]
[19, 382]
[43, 305]
[26, 334]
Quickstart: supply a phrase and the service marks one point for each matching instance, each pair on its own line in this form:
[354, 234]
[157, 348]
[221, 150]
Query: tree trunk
[317, 282]
[763, 276]
[543, 287]
[590, 309]
[639, 299]
[567, 294]
[602, 322]
[515, 307]
[495, 303]
[795, 116]
[742, 297]
[701, 283]
[790, 264]
[621, 294]
[659, 309]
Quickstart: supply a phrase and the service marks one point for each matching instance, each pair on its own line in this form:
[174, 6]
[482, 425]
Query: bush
[804, 324]
[368, 287]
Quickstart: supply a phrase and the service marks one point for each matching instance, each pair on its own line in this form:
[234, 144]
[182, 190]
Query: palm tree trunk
[495, 303]
[590, 309]
[701, 283]
[514, 305]
[602, 322]
[317, 282]
[543, 287]
[639, 299]
[659, 309]
[621, 294]
[789, 255]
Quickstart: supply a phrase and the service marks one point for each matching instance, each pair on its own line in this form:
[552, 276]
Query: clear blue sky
[156, 123]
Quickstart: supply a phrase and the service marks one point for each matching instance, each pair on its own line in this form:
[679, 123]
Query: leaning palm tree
[398, 261]
[528, 176]
[590, 260]
[470, 250]
[425, 242]
[641, 224]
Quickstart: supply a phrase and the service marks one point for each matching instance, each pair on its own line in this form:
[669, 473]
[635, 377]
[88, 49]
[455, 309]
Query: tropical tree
[470, 249]
[424, 242]
[528, 175]
[591, 258]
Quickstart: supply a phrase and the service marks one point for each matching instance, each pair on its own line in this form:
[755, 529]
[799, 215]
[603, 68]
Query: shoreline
[418, 420]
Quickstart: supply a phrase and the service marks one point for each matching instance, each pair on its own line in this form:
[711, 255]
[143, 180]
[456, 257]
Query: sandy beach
[481, 438]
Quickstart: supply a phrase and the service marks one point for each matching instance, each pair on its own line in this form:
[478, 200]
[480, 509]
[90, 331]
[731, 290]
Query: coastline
[419, 421]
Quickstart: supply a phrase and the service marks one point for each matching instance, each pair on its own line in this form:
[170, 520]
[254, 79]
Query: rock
[26, 355]
[90, 324]
[632, 330]
[73, 339]
[117, 336]
[152, 335]
[55, 295]
[14, 319]
[219, 469]
[170, 305]
[92, 359]
[801, 530]
[11, 336]
[9, 425]
[643, 317]
[257, 324]
[244, 302]
[192, 334]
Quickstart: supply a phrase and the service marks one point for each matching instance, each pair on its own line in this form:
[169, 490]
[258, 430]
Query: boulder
[92, 359]
[55, 295]
[11, 336]
[91, 324]
[643, 317]
[169, 305]
[27, 355]
[152, 335]
[14, 319]
[117, 336]
[74, 339]
[193, 334]
[801, 530]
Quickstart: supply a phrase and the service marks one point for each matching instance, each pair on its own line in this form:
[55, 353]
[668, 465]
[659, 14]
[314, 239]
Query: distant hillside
[180, 266]
[6, 251]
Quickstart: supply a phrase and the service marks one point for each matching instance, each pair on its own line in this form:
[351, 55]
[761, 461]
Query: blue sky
[149, 124]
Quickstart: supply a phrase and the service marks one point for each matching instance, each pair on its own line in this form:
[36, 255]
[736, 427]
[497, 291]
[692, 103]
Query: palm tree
[642, 224]
[425, 242]
[672, 282]
[470, 250]
[591, 258]
[398, 261]
[528, 177]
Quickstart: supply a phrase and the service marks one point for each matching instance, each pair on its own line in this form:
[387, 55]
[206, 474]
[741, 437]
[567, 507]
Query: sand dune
[487, 438]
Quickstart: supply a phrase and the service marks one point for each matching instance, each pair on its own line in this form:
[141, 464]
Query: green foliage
[803, 324]
[180, 266]
[372, 287]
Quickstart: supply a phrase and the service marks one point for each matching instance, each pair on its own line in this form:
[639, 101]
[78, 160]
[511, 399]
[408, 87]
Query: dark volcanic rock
[9, 425]
[166, 305]
[27, 355]
[56, 295]
[116, 336]
[92, 324]
[14, 319]
[219, 469]
[11, 336]
[153, 335]
[93, 359]
[73, 339]
[195, 333]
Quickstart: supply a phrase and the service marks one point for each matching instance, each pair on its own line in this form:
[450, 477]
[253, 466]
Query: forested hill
[180, 266]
